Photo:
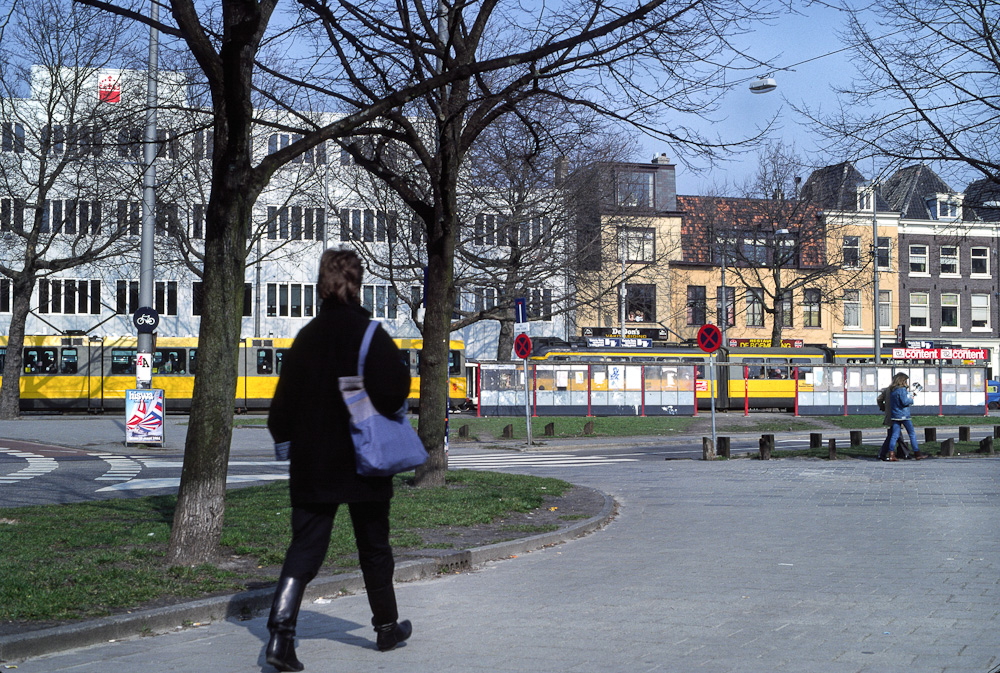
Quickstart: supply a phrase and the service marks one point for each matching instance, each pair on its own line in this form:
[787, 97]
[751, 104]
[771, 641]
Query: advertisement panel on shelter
[144, 416]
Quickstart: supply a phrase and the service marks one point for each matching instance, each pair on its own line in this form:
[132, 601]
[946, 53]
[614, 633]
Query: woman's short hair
[900, 380]
[340, 274]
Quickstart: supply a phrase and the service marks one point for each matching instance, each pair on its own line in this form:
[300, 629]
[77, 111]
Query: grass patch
[62, 562]
[875, 421]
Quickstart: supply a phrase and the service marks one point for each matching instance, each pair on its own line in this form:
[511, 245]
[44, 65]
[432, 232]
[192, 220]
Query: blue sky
[792, 39]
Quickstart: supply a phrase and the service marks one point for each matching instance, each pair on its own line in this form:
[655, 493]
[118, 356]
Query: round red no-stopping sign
[709, 338]
[522, 346]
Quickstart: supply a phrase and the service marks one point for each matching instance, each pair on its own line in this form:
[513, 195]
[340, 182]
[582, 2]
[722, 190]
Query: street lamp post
[877, 335]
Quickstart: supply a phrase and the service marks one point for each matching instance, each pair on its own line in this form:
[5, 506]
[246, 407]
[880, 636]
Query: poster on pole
[144, 416]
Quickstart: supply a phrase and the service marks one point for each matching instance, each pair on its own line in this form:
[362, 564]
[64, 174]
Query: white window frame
[918, 255]
[852, 304]
[283, 294]
[920, 307]
[885, 309]
[381, 301]
[887, 240]
[951, 300]
[953, 260]
[852, 243]
[638, 244]
[985, 256]
[979, 310]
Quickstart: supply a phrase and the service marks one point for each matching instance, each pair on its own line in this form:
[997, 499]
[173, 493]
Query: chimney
[798, 184]
[561, 171]
[661, 159]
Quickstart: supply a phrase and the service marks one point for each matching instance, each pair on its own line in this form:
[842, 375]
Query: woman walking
[900, 401]
[308, 414]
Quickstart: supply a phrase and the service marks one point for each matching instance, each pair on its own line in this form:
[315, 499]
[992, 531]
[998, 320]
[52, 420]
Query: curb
[248, 604]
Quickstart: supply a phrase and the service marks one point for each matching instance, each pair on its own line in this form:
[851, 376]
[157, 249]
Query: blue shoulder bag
[383, 445]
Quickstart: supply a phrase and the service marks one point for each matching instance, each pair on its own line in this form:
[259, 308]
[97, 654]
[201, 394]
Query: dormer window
[865, 200]
[945, 206]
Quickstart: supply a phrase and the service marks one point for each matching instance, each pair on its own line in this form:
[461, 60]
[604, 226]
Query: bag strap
[365, 343]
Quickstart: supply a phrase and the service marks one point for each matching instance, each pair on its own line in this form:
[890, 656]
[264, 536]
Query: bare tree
[774, 243]
[67, 121]
[927, 89]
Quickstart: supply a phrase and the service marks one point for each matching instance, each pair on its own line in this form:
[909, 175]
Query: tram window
[754, 368]
[3, 356]
[40, 361]
[455, 364]
[279, 357]
[265, 361]
[804, 372]
[777, 369]
[169, 361]
[69, 362]
[404, 355]
[191, 360]
[122, 361]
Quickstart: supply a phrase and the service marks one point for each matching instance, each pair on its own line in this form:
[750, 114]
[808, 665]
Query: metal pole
[623, 293]
[527, 400]
[712, 392]
[878, 336]
[145, 341]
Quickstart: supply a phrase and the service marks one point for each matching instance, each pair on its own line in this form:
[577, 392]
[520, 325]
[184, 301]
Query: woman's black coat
[308, 411]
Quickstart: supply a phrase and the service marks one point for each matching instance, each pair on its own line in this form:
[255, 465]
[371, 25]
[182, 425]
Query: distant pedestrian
[900, 401]
[308, 412]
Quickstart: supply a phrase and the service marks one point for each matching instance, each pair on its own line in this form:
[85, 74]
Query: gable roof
[836, 188]
[907, 190]
[982, 201]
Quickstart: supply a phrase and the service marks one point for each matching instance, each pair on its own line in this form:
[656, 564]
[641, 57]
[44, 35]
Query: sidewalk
[791, 565]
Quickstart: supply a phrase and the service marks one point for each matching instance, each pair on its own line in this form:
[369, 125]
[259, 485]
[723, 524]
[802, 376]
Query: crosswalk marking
[37, 466]
[487, 462]
[121, 467]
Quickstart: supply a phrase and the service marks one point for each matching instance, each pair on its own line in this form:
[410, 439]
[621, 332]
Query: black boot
[384, 618]
[281, 624]
[390, 635]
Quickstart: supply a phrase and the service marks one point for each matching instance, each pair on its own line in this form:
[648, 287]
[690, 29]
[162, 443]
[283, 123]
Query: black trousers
[311, 528]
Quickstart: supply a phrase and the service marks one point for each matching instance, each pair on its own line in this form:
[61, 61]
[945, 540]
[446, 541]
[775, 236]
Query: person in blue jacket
[900, 401]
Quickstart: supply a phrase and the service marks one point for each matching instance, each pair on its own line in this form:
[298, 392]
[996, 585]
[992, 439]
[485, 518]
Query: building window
[12, 215]
[634, 189]
[127, 297]
[312, 156]
[885, 308]
[755, 249]
[291, 300]
[784, 308]
[786, 250]
[130, 142]
[949, 260]
[129, 217]
[198, 221]
[949, 310]
[166, 219]
[852, 309]
[942, 209]
[540, 304]
[63, 296]
[640, 303]
[696, 305]
[367, 225]
[12, 138]
[380, 301]
[5, 297]
[883, 252]
[165, 297]
[980, 304]
[755, 307]
[416, 299]
[980, 261]
[484, 299]
[295, 223]
[852, 252]
[918, 259]
[811, 310]
[727, 300]
[529, 231]
[637, 245]
[204, 144]
[919, 310]
[485, 229]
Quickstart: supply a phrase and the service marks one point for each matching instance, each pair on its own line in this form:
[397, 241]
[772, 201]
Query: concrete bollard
[948, 447]
[707, 449]
[588, 428]
[463, 431]
[508, 431]
[986, 446]
[722, 449]
[964, 433]
[550, 429]
[766, 446]
[930, 434]
[856, 438]
[996, 432]
[833, 449]
[815, 440]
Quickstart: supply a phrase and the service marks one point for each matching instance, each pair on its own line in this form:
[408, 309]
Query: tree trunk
[10, 389]
[505, 344]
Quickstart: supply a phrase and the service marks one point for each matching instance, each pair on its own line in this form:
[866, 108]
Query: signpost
[522, 348]
[709, 340]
